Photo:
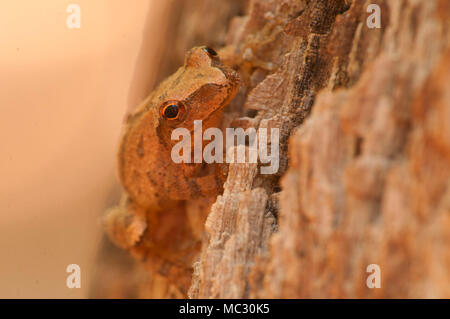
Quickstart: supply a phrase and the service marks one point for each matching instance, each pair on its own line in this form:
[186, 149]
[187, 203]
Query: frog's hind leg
[125, 224]
[162, 239]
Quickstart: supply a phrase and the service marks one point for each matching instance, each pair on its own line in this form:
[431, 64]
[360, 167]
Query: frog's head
[197, 91]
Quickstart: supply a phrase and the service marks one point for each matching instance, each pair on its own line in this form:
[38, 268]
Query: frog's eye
[211, 52]
[172, 110]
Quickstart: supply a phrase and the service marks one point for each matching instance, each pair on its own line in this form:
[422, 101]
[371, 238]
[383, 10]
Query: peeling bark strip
[368, 179]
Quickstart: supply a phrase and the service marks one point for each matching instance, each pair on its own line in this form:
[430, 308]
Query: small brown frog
[153, 182]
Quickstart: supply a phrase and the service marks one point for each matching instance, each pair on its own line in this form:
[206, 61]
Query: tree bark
[364, 175]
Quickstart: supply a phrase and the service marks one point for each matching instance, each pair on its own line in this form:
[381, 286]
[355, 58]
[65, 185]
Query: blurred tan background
[63, 95]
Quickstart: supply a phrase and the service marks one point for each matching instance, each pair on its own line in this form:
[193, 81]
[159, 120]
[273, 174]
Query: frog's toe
[124, 228]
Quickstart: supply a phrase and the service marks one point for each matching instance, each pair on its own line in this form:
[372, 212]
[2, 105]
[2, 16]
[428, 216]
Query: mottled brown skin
[153, 182]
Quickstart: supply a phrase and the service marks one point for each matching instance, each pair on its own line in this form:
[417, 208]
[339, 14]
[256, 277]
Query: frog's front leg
[207, 184]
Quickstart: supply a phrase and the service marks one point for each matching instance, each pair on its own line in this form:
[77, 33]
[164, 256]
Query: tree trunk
[364, 172]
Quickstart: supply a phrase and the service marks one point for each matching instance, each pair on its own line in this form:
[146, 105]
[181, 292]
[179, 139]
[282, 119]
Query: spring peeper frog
[199, 90]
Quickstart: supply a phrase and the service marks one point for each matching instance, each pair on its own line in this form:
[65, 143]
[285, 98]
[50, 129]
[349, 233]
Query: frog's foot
[125, 224]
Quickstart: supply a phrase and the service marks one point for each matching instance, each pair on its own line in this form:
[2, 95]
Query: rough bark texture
[364, 172]
[368, 179]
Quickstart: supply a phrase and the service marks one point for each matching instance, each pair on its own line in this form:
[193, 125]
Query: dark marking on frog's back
[140, 147]
[150, 179]
[176, 82]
